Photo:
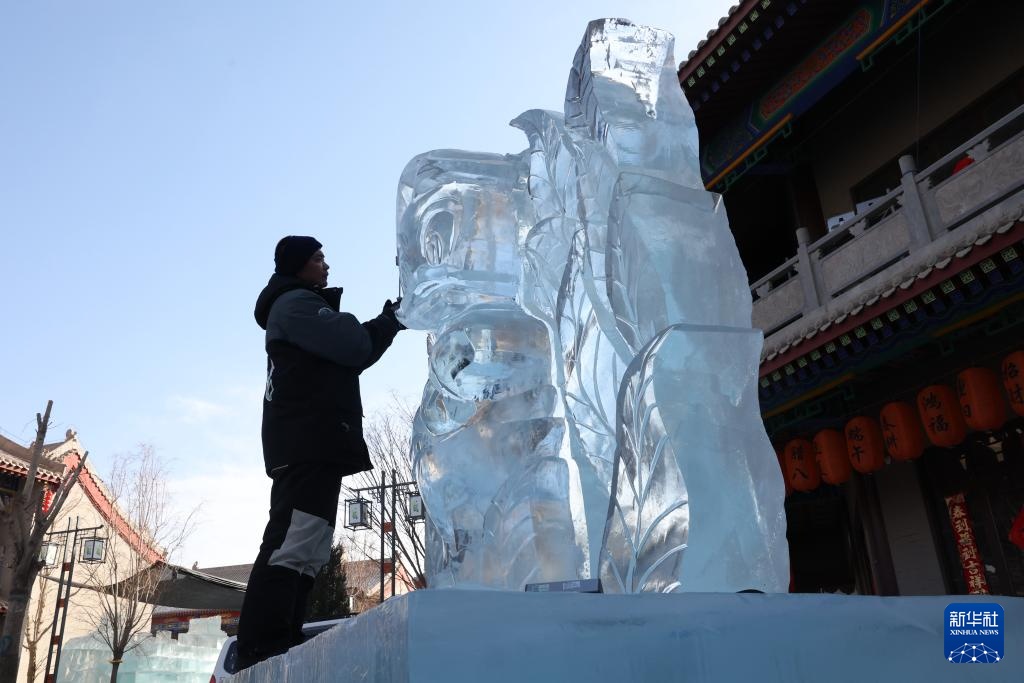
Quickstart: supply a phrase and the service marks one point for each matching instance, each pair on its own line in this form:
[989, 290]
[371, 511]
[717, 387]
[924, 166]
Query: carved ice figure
[591, 408]
[486, 437]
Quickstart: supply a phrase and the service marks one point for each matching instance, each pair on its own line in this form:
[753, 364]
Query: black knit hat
[293, 252]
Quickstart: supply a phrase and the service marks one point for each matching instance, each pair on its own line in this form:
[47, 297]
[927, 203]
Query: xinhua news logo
[974, 632]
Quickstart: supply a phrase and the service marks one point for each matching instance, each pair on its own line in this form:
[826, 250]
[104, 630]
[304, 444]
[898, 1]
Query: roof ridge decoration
[57, 452]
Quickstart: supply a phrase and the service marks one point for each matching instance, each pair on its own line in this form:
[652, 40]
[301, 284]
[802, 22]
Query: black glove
[391, 311]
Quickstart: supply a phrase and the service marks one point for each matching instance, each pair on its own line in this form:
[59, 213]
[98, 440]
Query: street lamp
[416, 511]
[48, 554]
[93, 549]
[357, 516]
[65, 545]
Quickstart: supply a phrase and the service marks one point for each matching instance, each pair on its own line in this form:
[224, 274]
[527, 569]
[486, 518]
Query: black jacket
[312, 411]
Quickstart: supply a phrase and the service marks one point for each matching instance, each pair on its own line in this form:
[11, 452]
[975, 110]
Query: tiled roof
[362, 575]
[711, 37]
[12, 447]
[16, 459]
[231, 572]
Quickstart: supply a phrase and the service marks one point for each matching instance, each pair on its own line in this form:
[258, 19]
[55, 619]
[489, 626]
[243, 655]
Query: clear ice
[189, 659]
[591, 408]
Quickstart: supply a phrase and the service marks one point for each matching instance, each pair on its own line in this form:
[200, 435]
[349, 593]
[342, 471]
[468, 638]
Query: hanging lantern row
[943, 416]
[980, 395]
[1013, 381]
[830, 451]
[864, 444]
[901, 431]
[358, 511]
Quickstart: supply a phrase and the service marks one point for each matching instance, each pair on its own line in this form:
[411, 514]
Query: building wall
[83, 601]
[76, 507]
[883, 120]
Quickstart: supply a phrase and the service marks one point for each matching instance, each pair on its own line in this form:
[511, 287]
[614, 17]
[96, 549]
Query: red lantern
[940, 414]
[830, 452]
[801, 468]
[864, 444]
[1017, 530]
[1013, 380]
[782, 466]
[901, 429]
[981, 399]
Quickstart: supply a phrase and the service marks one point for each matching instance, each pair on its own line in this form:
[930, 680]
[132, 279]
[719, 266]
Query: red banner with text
[967, 546]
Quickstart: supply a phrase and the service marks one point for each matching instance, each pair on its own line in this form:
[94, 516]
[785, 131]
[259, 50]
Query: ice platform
[452, 636]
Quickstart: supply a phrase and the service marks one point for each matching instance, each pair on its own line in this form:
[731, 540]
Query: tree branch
[42, 424]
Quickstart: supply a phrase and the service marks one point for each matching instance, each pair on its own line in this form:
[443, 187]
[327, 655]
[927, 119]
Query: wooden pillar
[803, 191]
[869, 511]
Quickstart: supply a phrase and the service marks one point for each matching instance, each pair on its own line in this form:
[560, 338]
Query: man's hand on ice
[391, 311]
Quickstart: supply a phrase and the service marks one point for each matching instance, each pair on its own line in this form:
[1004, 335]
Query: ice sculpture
[189, 659]
[591, 407]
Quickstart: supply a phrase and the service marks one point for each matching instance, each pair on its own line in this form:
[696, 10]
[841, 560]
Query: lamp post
[358, 514]
[64, 544]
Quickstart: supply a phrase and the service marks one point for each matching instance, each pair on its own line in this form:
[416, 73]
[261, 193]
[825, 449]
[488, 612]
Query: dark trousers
[296, 545]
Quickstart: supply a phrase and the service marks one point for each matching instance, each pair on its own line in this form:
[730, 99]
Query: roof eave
[716, 36]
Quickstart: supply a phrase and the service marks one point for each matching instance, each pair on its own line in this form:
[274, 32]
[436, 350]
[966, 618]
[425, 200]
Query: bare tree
[38, 626]
[35, 630]
[388, 433]
[145, 533]
[23, 524]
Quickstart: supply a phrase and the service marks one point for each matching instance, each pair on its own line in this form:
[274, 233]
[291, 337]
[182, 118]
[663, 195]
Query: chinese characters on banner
[963, 533]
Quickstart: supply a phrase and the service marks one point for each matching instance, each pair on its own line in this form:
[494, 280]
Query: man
[312, 436]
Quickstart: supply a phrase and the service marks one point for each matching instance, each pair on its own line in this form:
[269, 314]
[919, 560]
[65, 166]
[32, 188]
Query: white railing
[903, 228]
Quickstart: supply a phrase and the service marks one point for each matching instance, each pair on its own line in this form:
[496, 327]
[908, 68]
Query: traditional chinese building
[871, 158]
[89, 534]
[235, 576]
[362, 583]
[91, 538]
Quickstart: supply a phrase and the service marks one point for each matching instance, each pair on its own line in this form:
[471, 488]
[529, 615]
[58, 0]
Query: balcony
[931, 216]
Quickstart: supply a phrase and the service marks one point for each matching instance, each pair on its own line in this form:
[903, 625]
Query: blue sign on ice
[974, 632]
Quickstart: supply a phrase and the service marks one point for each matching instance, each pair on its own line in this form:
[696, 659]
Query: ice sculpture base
[461, 635]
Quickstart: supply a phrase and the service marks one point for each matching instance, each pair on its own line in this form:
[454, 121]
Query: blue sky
[151, 155]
